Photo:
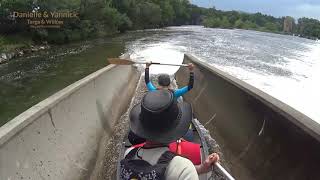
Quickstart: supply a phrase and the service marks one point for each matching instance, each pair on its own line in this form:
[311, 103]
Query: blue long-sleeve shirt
[178, 92]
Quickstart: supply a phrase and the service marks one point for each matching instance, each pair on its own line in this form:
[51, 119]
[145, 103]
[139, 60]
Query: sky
[277, 8]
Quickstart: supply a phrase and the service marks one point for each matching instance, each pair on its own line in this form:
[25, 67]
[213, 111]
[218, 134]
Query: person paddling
[161, 120]
[164, 82]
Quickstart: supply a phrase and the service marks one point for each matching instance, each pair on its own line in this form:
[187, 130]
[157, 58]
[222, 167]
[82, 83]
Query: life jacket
[183, 148]
[138, 169]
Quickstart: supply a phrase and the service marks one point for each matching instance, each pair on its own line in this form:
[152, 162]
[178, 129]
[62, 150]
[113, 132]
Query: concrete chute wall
[260, 137]
[59, 137]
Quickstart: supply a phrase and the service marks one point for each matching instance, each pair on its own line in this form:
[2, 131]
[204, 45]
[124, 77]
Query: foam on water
[161, 52]
[300, 91]
[286, 67]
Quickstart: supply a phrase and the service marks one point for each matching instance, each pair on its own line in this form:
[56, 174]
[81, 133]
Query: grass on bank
[13, 42]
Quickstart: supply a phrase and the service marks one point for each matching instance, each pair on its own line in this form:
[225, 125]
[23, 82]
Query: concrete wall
[260, 137]
[59, 137]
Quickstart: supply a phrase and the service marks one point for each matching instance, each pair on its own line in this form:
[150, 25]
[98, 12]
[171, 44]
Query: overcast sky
[294, 8]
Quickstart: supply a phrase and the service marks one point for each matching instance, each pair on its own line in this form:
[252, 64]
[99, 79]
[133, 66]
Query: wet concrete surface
[260, 137]
[114, 144]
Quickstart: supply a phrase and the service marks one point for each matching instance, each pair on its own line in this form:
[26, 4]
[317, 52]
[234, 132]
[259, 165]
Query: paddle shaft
[184, 65]
[130, 62]
[224, 172]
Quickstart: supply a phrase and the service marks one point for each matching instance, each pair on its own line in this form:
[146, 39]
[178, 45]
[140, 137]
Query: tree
[225, 23]
[271, 27]
[249, 25]
[212, 22]
[308, 27]
[167, 13]
[182, 11]
[239, 24]
[106, 17]
[149, 15]
[125, 23]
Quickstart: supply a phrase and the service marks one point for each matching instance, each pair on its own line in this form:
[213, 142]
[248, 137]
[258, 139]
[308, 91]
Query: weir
[260, 137]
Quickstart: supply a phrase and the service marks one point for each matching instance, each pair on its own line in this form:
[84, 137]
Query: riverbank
[18, 46]
[21, 51]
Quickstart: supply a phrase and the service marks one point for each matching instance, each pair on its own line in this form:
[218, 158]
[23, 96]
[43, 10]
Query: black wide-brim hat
[160, 118]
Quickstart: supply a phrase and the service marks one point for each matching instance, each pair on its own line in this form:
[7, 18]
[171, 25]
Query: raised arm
[149, 84]
[185, 89]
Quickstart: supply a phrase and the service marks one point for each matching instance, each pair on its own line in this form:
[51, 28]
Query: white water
[285, 67]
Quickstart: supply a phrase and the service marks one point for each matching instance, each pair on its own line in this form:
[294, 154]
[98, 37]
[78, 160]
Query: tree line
[106, 17]
[305, 27]
[96, 17]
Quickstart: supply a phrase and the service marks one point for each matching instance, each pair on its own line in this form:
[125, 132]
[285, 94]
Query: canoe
[260, 136]
[68, 135]
[63, 137]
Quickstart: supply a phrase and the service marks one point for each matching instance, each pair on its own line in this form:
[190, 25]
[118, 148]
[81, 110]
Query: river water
[285, 67]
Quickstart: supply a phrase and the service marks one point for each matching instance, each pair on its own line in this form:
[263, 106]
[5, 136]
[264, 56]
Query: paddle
[224, 172]
[130, 62]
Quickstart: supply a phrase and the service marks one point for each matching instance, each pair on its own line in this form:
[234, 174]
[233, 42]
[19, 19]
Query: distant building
[288, 24]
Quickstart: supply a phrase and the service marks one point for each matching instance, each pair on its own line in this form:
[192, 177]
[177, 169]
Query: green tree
[182, 11]
[249, 25]
[149, 15]
[212, 22]
[308, 27]
[271, 27]
[225, 23]
[125, 23]
[167, 13]
[239, 24]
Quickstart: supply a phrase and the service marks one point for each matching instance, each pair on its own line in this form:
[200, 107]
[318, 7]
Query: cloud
[295, 8]
[311, 10]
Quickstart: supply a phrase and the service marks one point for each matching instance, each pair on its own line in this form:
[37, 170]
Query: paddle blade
[120, 61]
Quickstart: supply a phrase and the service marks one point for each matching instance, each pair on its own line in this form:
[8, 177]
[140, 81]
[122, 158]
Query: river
[285, 67]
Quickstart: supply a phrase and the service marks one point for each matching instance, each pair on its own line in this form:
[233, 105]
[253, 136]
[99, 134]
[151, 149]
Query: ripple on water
[271, 62]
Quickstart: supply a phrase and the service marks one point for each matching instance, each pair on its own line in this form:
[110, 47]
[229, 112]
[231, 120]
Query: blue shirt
[177, 93]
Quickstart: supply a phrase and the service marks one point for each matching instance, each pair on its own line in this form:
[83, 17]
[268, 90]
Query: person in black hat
[164, 82]
[160, 119]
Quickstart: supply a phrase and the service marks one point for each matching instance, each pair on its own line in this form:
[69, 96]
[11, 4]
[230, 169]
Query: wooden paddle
[130, 62]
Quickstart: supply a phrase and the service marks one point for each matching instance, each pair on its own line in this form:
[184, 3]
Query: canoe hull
[59, 138]
[260, 136]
